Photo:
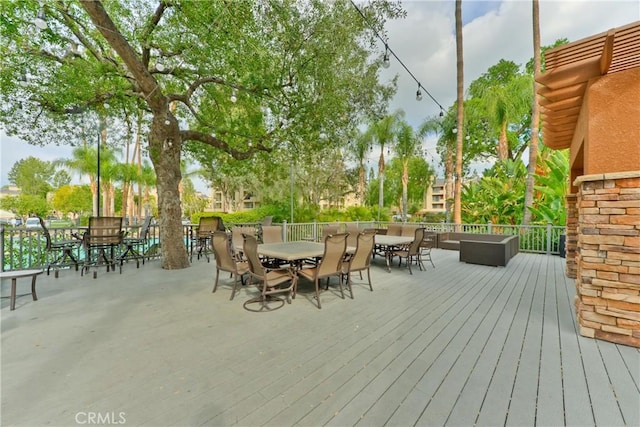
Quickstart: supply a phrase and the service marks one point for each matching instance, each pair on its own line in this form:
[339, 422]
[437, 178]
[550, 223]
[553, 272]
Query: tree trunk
[535, 118]
[503, 143]
[361, 185]
[457, 201]
[165, 145]
[405, 184]
[448, 181]
[380, 181]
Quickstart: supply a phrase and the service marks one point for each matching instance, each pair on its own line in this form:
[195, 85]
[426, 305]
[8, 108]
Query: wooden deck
[456, 345]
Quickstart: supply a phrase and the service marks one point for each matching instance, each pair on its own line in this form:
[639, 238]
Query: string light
[233, 98]
[419, 94]
[385, 60]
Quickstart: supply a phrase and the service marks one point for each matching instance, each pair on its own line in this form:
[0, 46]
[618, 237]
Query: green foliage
[551, 187]
[25, 205]
[498, 196]
[33, 176]
[72, 199]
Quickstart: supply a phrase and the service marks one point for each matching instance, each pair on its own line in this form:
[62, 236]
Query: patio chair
[134, 246]
[270, 281]
[428, 243]
[100, 241]
[60, 251]
[330, 229]
[410, 252]
[335, 246]
[267, 220]
[360, 260]
[353, 231]
[394, 230]
[272, 234]
[225, 260]
[408, 229]
[237, 240]
[202, 238]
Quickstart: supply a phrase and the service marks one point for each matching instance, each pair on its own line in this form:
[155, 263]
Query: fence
[22, 248]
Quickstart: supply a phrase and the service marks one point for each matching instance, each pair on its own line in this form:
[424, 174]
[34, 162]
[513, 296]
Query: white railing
[22, 248]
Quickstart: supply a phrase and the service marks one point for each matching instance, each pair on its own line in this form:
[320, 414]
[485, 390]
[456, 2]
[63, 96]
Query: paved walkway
[457, 345]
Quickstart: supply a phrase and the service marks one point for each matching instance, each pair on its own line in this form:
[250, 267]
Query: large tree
[241, 77]
[33, 176]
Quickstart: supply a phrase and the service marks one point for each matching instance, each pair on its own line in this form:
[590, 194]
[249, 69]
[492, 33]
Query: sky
[425, 42]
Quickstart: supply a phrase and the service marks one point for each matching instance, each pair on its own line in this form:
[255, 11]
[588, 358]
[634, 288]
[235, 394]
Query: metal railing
[22, 248]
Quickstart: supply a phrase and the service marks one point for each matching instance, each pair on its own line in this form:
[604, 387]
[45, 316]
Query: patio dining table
[292, 251]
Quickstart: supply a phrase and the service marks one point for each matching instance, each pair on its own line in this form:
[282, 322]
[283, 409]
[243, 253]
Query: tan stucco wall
[612, 129]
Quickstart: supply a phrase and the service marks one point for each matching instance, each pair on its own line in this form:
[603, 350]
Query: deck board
[456, 345]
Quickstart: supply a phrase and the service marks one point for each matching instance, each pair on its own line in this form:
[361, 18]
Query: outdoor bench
[484, 249]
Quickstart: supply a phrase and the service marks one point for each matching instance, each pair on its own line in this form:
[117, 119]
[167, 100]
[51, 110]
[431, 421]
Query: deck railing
[22, 248]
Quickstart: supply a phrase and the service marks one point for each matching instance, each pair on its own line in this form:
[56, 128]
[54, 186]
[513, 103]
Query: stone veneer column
[571, 240]
[608, 257]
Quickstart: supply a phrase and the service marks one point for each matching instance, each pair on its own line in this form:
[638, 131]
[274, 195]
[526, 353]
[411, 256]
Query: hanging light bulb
[40, 19]
[419, 94]
[385, 58]
[233, 98]
[23, 80]
[159, 65]
[454, 130]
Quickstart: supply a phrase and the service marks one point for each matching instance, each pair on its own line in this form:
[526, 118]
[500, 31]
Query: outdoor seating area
[460, 344]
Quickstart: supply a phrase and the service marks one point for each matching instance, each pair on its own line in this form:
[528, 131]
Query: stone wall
[571, 242]
[608, 257]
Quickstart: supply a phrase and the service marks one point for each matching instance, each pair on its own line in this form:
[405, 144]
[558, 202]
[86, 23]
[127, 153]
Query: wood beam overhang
[563, 86]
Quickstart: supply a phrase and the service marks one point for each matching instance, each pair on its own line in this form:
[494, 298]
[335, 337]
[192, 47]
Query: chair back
[267, 220]
[272, 234]
[237, 236]
[414, 247]
[330, 229]
[146, 226]
[335, 247]
[222, 251]
[408, 229]
[45, 232]
[251, 253]
[104, 230]
[361, 258]
[209, 224]
[394, 230]
[352, 230]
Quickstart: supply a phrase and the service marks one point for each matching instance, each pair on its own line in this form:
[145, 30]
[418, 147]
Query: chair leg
[216, 283]
[349, 284]
[341, 288]
[235, 284]
[318, 293]
[369, 278]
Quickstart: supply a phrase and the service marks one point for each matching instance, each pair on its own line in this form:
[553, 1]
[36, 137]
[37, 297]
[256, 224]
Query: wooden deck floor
[456, 345]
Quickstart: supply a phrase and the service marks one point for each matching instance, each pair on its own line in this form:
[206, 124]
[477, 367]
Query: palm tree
[383, 132]
[84, 161]
[407, 146]
[457, 211]
[535, 118]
